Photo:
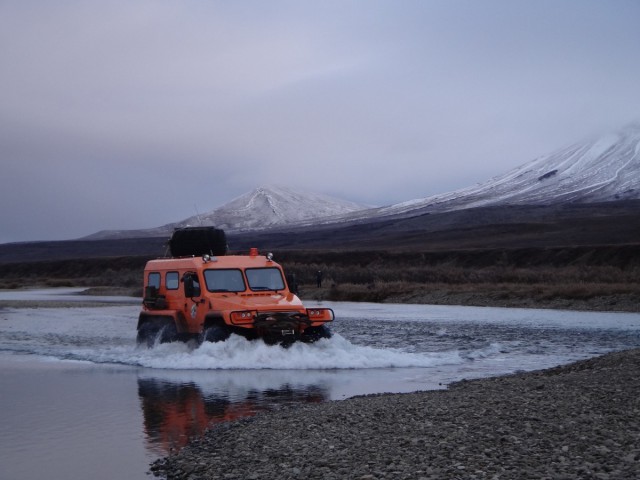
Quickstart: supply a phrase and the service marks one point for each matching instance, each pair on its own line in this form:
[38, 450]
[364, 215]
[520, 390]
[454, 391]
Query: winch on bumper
[281, 326]
[287, 327]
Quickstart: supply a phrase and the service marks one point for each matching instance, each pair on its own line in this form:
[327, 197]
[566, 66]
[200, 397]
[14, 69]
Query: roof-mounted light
[269, 257]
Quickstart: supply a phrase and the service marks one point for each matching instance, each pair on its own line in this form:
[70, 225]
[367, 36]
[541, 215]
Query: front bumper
[280, 326]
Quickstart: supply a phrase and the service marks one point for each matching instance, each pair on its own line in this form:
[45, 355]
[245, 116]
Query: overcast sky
[136, 113]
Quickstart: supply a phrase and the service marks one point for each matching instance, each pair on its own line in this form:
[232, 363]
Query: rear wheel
[169, 333]
[154, 330]
[215, 333]
[147, 334]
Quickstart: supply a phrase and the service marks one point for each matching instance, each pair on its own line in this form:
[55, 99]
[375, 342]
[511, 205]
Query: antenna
[198, 215]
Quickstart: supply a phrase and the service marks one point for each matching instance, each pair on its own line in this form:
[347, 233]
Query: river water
[79, 399]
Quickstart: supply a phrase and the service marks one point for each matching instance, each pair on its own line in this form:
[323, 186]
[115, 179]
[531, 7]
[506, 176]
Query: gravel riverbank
[578, 421]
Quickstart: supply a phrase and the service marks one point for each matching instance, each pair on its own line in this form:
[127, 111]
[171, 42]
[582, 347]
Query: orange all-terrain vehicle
[203, 293]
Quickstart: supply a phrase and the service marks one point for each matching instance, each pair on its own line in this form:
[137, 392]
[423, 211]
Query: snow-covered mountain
[601, 169]
[265, 207]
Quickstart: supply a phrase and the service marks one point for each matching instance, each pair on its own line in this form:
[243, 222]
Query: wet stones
[577, 421]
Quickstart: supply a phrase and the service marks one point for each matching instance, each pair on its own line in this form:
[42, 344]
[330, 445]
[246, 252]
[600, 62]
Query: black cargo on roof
[189, 241]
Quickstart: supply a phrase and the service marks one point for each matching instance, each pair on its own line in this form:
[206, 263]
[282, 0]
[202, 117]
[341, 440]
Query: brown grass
[592, 296]
[467, 278]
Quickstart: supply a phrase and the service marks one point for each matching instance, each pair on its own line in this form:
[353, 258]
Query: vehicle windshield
[265, 278]
[229, 280]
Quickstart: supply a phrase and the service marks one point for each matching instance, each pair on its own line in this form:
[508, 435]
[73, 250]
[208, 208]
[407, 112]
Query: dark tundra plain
[571, 256]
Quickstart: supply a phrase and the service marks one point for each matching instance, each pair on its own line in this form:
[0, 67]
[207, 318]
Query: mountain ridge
[262, 208]
[609, 168]
[599, 169]
[580, 228]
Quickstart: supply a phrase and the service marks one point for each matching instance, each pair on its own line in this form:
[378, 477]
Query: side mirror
[292, 283]
[191, 285]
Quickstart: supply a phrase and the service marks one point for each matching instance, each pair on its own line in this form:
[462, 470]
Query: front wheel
[313, 334]
[217, 333]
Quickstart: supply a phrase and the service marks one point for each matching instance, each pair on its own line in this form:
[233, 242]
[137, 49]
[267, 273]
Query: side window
[172, 280]
[153, 280]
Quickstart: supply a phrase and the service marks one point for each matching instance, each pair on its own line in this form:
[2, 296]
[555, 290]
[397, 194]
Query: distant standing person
[319, 278]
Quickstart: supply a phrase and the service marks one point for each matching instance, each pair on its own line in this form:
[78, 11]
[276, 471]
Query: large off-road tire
[196, 241]
[313, 334]
[168, 333]
[152, 331]
[147, 334]
[215, 333]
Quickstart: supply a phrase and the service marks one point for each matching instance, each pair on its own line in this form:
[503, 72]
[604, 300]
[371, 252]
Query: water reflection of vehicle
[175, 413]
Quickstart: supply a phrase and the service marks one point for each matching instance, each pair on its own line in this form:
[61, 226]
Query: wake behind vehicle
[202, 293]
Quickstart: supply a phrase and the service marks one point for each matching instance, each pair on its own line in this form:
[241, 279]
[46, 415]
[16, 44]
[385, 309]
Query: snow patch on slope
[602, 169]
[267, 207]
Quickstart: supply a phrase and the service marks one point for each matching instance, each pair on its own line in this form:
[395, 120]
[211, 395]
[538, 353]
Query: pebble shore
[579, 421]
